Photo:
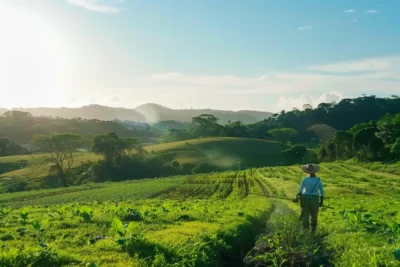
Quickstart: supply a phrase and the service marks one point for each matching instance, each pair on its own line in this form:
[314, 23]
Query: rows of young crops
[95, 192]
[200, 220]
[364, 226]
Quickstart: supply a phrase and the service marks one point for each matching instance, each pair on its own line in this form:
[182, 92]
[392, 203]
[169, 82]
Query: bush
[206, 168]
[127, 167]
[18, 184]
[12, 166]
[294, 155]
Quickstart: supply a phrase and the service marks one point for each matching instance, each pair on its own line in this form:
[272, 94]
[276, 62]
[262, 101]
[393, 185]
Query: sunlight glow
[34, 60]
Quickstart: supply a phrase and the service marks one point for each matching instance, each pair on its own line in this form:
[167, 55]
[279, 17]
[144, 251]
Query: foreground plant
[122, 231]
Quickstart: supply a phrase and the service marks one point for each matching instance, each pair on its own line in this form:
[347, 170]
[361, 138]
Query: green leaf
[131, 227]
[65, 236]
[36, 226]
[398, 217]
[396, 254]
[85, 209]
[118, 227]
[121, 241]
[24, 214]
[86, 217]
[121, 233]
[391, 241]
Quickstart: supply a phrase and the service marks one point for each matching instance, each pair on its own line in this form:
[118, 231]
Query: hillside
[149, 113]
[19, 171]
[224, 152]
[21, 128]
[221, 153]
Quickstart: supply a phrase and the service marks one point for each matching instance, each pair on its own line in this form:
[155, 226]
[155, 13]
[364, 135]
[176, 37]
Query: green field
[224, 153]
[203, 220]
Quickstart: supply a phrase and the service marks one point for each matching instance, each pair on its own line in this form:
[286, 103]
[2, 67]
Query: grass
[182, 220]
[205, 220]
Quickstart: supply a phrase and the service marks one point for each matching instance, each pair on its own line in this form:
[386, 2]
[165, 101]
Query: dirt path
[283, 219]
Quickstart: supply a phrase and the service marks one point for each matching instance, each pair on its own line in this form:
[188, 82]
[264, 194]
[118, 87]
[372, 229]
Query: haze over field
[257, 55]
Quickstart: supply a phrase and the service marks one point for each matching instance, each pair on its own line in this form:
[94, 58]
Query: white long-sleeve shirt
[308, 183]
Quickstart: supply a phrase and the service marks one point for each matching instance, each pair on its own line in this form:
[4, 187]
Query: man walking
[310, 199]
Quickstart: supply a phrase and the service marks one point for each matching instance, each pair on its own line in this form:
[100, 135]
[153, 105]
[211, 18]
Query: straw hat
[310, 168]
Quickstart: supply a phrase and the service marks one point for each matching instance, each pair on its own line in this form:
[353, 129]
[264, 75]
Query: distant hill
[150, 113]
[22, 129]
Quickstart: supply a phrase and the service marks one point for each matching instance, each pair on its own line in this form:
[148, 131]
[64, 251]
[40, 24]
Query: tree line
[121, 159]
[370, 141]
[312, 125]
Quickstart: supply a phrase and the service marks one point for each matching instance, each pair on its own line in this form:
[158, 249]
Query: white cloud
[305, 28]
[287, 103]
[363, 76]
[104, 6]
[266, 83]
[349, 11]
[114, 98]
[372, 11]
[363, 65]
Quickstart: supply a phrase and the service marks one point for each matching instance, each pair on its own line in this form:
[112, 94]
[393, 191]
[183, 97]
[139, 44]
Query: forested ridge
[339, 116]
[312, 124]
[22, 127]
[147, 113]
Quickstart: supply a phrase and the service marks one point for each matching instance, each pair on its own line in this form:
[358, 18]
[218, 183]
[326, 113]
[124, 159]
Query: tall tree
[395, 150]
[283, 135]
[294, 155]
[235, 129]
[307, 107]
[61, 148]
[358, 127]
[368, 144]
[344, 142]
[111, 146]
[389, 128]
[205, 125]
[19, 115]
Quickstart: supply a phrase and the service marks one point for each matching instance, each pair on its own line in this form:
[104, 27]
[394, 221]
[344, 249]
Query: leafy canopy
[111, 146]
[283, 135]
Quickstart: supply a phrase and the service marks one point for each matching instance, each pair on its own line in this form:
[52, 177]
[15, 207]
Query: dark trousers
[309, 206]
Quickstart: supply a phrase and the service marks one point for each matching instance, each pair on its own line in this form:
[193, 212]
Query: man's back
[311, 186]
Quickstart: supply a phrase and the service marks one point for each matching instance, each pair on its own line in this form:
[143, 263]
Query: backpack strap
[314, 187]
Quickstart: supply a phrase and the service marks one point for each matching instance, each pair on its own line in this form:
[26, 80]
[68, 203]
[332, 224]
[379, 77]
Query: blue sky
[256, 54]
